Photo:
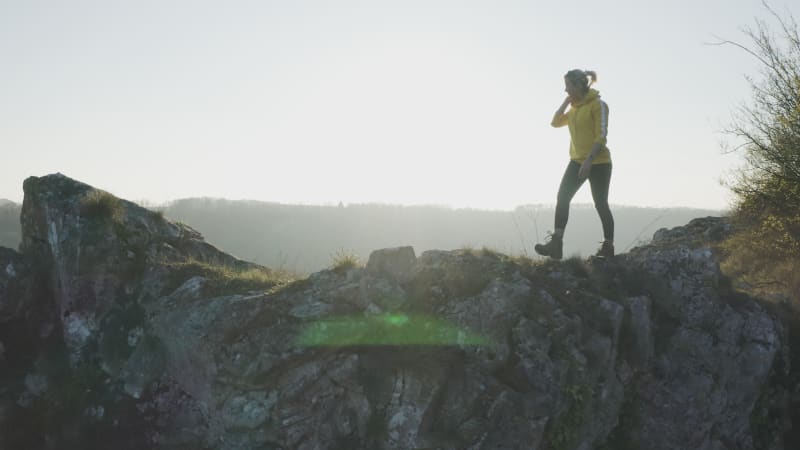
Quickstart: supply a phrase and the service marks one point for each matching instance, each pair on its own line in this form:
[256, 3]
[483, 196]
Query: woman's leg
[569, 186]
[600, 180]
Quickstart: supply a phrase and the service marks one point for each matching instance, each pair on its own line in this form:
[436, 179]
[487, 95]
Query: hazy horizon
[306, 238]
[158, 205]
[417, 102]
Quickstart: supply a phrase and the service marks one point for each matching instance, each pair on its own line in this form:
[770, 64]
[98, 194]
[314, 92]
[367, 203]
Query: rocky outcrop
[103, 256]
[718, 355]
[449, 349]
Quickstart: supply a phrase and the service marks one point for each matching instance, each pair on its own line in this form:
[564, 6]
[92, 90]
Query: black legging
[599, 180]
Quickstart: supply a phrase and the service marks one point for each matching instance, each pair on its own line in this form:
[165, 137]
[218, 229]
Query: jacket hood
[590, 96]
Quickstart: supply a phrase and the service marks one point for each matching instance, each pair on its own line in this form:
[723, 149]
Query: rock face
[719, 351]
[450, 350]
[98, 252]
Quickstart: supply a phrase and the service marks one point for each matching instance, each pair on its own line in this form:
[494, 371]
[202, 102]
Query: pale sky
[407, 102]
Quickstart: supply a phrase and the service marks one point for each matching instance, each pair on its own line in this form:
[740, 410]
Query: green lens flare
[387, 329]
[396, 319]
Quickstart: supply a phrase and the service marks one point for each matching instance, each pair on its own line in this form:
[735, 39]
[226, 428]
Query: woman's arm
[600, 115]
[559, 118]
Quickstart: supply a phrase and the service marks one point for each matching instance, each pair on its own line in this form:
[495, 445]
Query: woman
[589, 158]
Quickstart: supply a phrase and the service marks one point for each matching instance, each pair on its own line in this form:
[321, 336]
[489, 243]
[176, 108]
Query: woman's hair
[580, 78]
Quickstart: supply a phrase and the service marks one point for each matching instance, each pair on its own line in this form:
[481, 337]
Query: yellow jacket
[588, 123]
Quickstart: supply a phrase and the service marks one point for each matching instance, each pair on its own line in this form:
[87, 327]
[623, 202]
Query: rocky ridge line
[128, 345]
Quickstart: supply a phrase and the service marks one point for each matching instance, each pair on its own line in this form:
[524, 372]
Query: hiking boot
[606, 250]
[551, 248]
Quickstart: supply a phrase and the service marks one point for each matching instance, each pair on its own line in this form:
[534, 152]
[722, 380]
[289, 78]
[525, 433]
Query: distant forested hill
[306, 238]
[10, 230]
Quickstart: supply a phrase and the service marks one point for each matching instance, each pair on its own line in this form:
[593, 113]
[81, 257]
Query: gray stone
[639, 330]
[190, 290]
[393, 263]
[36, 384]
[248, 411]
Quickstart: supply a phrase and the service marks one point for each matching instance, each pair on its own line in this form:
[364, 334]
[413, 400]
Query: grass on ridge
[97, 204]
[222, 279]
[344, 260]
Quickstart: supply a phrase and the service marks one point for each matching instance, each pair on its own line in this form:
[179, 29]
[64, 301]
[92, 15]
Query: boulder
[396, 264]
